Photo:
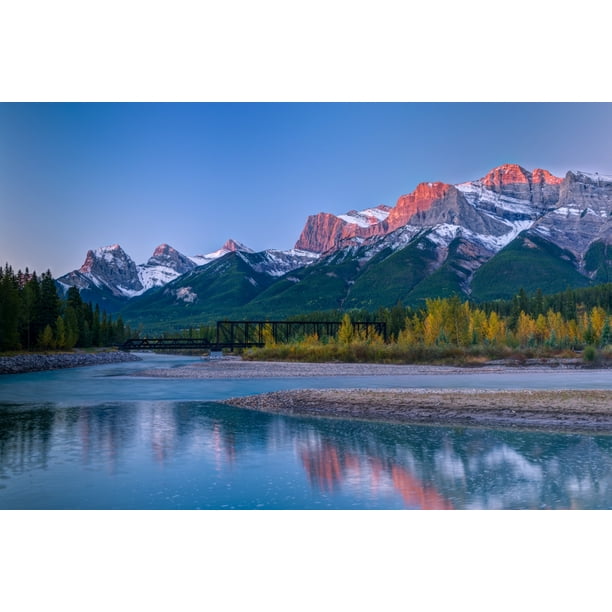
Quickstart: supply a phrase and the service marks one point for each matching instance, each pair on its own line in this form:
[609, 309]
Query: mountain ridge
[436, 240]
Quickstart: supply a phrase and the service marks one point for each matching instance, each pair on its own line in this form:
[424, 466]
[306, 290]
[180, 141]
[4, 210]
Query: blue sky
[79, 176]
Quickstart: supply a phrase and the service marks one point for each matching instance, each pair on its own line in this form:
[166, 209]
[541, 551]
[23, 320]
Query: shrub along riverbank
[378, 352]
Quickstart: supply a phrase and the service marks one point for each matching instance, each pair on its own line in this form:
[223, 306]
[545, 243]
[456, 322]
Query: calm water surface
[94, 438]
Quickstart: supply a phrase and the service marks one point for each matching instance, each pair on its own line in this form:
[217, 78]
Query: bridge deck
[249, 334]
[148, 344]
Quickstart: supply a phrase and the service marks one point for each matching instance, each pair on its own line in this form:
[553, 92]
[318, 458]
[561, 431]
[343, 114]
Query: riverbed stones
[36, 362]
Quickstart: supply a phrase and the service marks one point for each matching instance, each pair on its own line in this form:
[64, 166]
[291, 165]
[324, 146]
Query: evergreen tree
[46, 340]
[523, 301]
[538, 303]
[9, 310]
[60, 333]
[30, 312]
[119, 335]
[104, 331]
[95, 327]
[72, 327]
[49, 300]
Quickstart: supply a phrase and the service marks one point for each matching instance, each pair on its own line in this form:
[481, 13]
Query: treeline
[34, 317]
[453, 331]
[569, 303]
[522, 317]
[453, 322]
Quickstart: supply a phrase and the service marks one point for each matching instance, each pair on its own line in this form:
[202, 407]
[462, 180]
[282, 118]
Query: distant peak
[108, 254]
[163, 249]
[233, 245]
[108, 249]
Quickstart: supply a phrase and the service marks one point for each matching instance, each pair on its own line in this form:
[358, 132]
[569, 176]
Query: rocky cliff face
[539, 187]
[506, 195]
[422, 199]
[484, 215]
[325, 232]
[583, 214]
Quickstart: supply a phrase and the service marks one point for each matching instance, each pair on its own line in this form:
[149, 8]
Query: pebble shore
[36, 362]
[553, 410]
[234, 367]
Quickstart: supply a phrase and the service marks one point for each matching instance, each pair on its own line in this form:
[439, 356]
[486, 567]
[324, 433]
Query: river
[100, 438]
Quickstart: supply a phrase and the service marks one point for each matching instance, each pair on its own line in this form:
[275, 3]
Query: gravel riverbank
[555, 410]
[236, 368]
[36, 362]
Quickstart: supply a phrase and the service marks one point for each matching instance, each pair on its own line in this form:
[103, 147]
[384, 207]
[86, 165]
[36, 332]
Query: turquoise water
[93, 438]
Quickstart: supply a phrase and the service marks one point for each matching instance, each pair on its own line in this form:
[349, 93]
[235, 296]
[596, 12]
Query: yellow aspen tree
[433, 324]
[572, 331]
[478, 325]
[598, 321]
[492, 328]
[541, 329]
[268, 335]
[345, 333]
[525, 329]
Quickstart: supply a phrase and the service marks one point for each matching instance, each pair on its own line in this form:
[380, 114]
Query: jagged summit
[109, 253]
[165, 255]
[110, 267]
[234, 245]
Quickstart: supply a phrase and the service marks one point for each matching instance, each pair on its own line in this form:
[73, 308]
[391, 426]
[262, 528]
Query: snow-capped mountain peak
[110, 267]
[230, 246]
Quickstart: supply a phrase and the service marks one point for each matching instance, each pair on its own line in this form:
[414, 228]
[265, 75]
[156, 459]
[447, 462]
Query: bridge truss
[246, 334]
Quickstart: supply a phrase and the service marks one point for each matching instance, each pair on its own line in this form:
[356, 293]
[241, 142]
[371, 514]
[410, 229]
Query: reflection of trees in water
[25, 438]
[107, 430]
[96, 433]
[228, 432]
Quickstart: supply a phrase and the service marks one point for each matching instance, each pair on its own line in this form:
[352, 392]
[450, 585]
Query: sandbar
[574, 410]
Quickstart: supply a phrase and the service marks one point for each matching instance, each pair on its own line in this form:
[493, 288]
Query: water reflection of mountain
[434, 467]
[420, 467]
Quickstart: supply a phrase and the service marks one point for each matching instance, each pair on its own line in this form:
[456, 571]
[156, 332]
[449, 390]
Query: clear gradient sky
[80, 176]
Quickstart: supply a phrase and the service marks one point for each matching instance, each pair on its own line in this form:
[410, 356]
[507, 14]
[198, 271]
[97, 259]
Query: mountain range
[484, 239]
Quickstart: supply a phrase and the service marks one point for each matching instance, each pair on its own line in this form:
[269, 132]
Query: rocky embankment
[574, 410]
[36, 362]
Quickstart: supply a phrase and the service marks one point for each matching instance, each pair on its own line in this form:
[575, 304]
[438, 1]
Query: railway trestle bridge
[249, 334]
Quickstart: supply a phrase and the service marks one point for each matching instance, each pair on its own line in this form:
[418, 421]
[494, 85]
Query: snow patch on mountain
[279, 263]
[482, 198]
[230, 246]
[155, 276]
[366, 217]
[593, 177]
[186, 294]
